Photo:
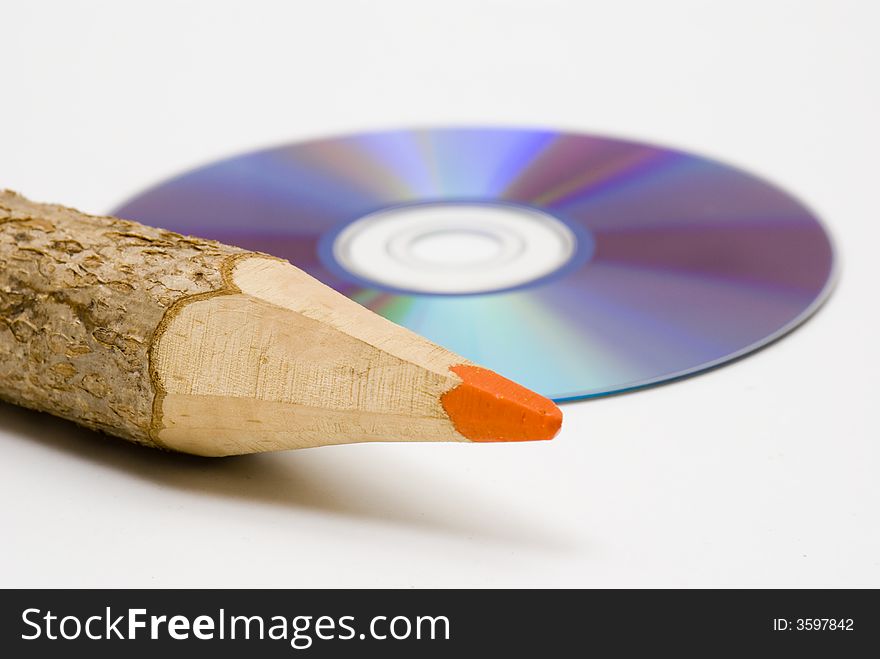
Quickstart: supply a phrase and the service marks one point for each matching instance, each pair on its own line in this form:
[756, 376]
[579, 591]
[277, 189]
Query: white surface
[764, 472]
[452, 247]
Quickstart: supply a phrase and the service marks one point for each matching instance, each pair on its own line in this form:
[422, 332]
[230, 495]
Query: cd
[574, 264]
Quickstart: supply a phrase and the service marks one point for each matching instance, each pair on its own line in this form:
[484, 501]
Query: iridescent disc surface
[681, 262]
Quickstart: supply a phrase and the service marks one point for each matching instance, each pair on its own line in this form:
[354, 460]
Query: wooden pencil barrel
[188, 344]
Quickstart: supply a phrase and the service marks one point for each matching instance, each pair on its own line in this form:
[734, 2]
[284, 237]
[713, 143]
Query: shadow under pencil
[321, 484]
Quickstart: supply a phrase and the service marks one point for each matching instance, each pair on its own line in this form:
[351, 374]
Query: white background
[762, 473]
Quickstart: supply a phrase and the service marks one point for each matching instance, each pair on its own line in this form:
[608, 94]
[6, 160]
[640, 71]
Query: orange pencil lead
[487, 407]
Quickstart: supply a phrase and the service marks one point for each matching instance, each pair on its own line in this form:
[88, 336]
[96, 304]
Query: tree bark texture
[82, 299]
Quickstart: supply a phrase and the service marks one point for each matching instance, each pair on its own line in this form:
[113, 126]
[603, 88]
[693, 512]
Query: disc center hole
[454, 248]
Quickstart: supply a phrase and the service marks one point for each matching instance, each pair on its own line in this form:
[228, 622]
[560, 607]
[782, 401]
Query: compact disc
[576, 265]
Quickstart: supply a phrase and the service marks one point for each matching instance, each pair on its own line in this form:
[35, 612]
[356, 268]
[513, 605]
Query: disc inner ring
[454, 247]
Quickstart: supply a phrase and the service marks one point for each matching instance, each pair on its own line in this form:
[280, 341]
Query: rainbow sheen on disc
[681, 262]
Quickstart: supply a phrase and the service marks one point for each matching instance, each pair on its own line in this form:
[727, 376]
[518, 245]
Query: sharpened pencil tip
[487, 407]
